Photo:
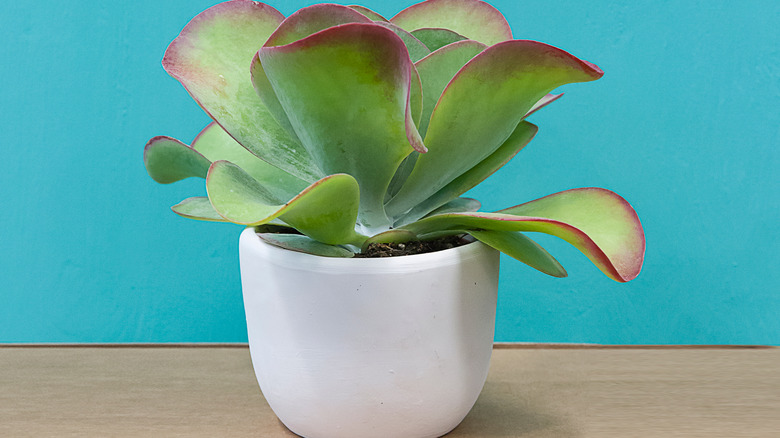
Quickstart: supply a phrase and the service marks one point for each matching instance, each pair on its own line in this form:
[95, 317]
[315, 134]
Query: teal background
[685, 125]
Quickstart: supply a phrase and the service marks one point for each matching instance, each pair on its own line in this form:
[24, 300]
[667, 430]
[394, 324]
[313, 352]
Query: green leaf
[325, 211]
[458, 205]
[299, 243]
[368, 13]
[403, 171]
[199, 208]
[440, 234]
[417, 50]
[267, 95]
[438, 69]
[168, 160]
[211, 58]
[436, 38]
[482, 106]
[238, 197]
[598, 222]
[346, 91]
[301, 24]
[215, 144]
[416, 100]
[312, 19]
[473, 19]
[522, 135]
[522, 248]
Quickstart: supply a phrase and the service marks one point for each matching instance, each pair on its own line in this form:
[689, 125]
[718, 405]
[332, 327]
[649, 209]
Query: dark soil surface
[409, 248]
[376, 250]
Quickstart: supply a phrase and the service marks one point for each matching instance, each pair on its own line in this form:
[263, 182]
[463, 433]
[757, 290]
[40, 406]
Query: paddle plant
[336, 127]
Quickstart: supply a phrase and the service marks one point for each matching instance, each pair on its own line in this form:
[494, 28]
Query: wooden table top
[531, 391]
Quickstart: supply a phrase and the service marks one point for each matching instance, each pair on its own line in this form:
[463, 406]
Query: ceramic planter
[391, 347]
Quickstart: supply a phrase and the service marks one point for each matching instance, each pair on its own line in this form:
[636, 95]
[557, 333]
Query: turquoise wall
[685, 124]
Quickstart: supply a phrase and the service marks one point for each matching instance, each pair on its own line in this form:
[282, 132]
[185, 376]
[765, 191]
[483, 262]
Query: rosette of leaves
[351, 128]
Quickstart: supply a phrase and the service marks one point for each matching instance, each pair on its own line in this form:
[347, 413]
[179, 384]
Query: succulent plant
[335, 128]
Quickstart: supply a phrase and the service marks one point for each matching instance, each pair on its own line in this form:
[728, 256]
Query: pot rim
[309, 262]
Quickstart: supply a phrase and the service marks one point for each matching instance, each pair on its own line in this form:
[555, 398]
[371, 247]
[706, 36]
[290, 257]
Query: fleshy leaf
[416, 99]
[199, 208]
[312, 19]
[301, 24]
[238, 197]
[368, 13]
[596, 221]
[401, 174]
[211, 58]
[168, 160]
[299, 243]
[215, 144]
[522, 248]
[436, 38]
[346, 91]
[458, 205]
[437, 70]
[473, 19]
[417, 50]
[434, 235]
[325, 211]
[481, 107]
[522, 135]
[267, 95]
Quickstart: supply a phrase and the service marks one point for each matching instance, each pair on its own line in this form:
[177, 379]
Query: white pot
[393, 347]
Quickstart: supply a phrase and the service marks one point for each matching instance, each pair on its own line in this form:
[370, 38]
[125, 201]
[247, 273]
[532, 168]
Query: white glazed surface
[369, 348]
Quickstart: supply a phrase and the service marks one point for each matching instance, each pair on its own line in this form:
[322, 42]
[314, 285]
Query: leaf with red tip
[168, 160]
[301, 24]
[473, 19]
[312, 19]
[211, 58]
[598, 222]
[522, 135]
[521, 247]
[198, 208]
[481, 107]
[215, 144]
[346, 91]
[436, 38]
[368, 13]
[325, 211]
[437, 70]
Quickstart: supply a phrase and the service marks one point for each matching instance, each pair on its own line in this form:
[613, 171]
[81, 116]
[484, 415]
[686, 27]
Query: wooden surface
[530, 392]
